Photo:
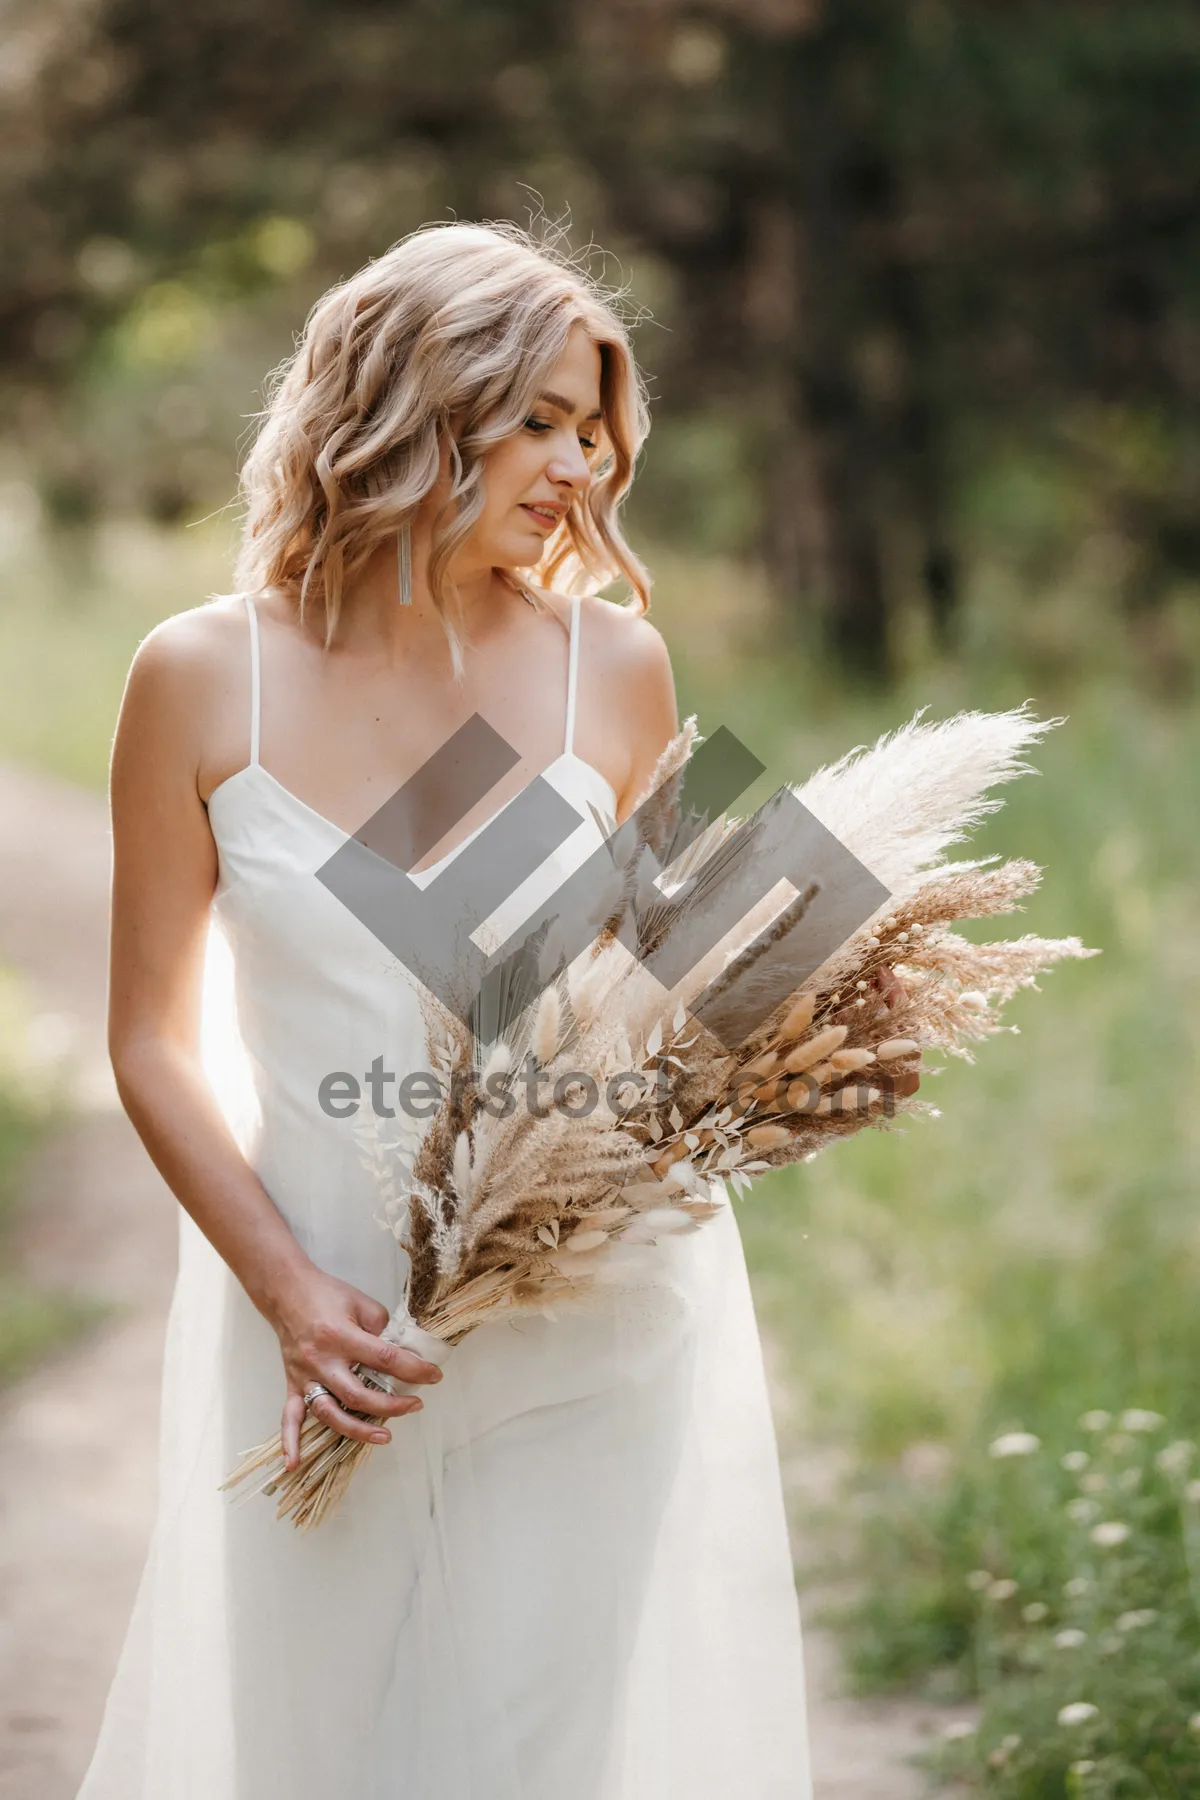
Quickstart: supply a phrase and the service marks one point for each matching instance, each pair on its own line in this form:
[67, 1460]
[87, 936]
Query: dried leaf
[580, 1241]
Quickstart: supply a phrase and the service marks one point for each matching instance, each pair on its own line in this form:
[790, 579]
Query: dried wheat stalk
[501, 1214]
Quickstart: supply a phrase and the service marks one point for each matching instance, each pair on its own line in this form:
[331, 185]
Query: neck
[373, 622]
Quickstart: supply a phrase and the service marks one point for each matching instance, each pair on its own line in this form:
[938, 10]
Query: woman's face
[532, 476]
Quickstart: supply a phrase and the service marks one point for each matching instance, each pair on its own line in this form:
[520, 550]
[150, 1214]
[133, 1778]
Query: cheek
[510, 471]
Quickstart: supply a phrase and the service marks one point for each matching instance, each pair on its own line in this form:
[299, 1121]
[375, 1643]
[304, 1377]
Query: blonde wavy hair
[446, 338]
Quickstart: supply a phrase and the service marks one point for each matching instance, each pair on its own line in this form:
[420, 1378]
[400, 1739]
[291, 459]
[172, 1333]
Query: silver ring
[311, 1393]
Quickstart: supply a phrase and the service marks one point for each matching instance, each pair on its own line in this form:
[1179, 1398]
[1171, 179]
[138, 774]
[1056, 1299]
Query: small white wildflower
[1140, 1418]
[957, 1728]
[1070, 1638]
[1014, 1443]
[1074, 1460]
[1129, 1479]
[1081, 1512]
[1194, 1724]
[1002, 1590]
[1133, 1621]
[1077, 1712]
[1084, 1766]
[1118, 1443]
[1035, 1612]
[1077, 1586]
[1192, 1491]
[1094, 1482]
[1011, 1742]
[1095, 1421]
[1109, 1533]
[979, 1579]
[1109, 1642]
[1176, 1458]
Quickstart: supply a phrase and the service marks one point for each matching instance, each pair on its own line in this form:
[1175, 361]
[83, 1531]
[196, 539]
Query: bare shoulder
[630, 654]
[629, 672]
[621, 643]
[628, 635]
[182, 676]
[189, 648]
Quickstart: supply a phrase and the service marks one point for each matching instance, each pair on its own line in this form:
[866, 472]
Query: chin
[520, 554]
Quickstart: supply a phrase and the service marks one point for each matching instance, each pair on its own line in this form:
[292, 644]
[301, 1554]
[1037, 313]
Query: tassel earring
[404, 563]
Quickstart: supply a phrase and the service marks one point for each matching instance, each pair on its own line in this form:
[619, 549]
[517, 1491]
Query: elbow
[139, 1061]
[127, 1059]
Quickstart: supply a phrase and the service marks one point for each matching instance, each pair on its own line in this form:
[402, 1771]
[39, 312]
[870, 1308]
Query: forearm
[175, 1113]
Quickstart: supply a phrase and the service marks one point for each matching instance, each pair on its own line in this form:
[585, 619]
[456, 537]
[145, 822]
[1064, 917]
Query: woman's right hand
[324, 1326]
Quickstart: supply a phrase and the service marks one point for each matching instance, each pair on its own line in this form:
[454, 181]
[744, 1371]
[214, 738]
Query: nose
[568, 463]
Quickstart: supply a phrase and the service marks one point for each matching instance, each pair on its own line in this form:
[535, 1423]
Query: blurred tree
[909, 231]
[894, 237]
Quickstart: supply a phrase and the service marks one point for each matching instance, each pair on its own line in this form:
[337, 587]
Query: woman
[563, 1573]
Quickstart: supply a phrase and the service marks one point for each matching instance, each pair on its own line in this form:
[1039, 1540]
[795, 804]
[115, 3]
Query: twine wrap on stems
[402, 1329]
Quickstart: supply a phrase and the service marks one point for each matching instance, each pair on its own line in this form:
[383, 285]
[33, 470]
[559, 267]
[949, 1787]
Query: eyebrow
[564, 405]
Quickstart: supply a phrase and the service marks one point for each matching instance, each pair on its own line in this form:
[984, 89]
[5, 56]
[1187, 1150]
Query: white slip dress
[568, 1577]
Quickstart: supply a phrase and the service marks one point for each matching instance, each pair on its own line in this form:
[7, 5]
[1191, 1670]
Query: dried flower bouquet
[507, 1210]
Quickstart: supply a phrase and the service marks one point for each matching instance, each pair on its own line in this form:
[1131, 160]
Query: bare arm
[647, 687]
[164, 875]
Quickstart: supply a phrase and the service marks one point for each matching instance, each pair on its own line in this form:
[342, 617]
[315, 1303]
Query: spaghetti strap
[254, 679]
[572, 668]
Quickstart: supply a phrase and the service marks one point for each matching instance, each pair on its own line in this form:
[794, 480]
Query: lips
[546, 516]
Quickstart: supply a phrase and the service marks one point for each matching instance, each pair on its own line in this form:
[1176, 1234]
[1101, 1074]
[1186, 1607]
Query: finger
[357, 1395]
[388, 1359]
[370, 1314]
[289, 1430]
[329, 1412]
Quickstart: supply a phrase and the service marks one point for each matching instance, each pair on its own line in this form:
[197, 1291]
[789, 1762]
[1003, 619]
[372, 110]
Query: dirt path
[78, 1438]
